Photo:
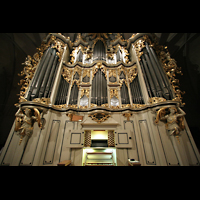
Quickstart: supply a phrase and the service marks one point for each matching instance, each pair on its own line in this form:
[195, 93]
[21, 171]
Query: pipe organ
[100, 100]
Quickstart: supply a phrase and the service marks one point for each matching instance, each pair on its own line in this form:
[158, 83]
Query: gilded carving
[113, 92]
[28, 72]
[126, 105]
[85, 92]
[124, 70]
[126, 55]
[99, 117]
[93, 105]
[94, 71]
[25, 120]
[112, 72]
[99, 65]
[86, 72]
[83, 107]
[67, 74]
[127, 115]
[154, 100]
[98, 35]
[72, 106]
[59, 106]
[138, 106]
[139, 45]
[105, 105]
[132, 73]
[42, 100]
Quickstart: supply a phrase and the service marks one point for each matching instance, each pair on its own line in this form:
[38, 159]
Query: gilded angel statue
[174, 120]
[25, 120]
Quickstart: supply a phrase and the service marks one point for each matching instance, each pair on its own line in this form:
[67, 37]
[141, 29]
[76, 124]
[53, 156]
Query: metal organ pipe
[47, 72]
[132, 86]
[39, 68]
[153, 75]
[48, 85]
[164, 77]
[41, 76]
[145, 79]
[53, 79]
[149, 76]
[61, 91]
[158, 74]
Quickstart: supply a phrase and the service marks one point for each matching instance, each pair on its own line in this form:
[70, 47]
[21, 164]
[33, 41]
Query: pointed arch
[124, 94]
[74, 94]
[79, 56]
[99, 51]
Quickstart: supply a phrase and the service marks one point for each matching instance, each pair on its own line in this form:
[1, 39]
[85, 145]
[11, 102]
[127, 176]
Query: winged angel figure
[174, 120]
[25, 120]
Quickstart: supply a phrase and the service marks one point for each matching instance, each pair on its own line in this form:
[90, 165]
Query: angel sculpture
[174, 120]
[24, 121]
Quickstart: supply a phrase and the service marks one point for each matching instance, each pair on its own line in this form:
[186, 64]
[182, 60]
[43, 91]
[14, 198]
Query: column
[57, 79]
[141, 79]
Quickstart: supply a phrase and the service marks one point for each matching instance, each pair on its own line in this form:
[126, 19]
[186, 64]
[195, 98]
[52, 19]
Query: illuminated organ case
[100, 100]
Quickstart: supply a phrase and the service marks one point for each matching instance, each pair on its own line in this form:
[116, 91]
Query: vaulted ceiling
[14, 48]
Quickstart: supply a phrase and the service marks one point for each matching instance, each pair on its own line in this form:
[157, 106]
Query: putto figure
[174, 120]
[24, 121]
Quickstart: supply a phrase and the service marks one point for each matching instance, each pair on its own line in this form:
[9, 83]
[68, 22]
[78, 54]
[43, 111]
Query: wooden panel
[75, 139]
[123, 139]
[133, 152]
[76, 157]
[122, 159]
[31, 147]
[147, 143]
[190, 152]
[50, 150]
[168, 147]
[14, 143]
[65, 154]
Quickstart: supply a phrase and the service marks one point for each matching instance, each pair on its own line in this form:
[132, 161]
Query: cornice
[136, 37]
[97, 61]
[41, 106]
[61, 37]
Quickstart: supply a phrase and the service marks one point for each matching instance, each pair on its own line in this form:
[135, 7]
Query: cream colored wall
[150, 143]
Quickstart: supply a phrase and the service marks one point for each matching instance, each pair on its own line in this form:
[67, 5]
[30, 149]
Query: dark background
[14, 48]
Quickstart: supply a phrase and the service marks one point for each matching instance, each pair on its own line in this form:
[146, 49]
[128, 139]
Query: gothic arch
[99, 50]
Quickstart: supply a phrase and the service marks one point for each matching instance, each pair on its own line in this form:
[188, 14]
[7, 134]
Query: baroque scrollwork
[84, 92]
[132, 73]
[86, 72]
[25, 119]
[114, 92]
[42, 100]
[139, 45]
[28, 72]
[154, 100]
[67, 74]
[99, 117]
